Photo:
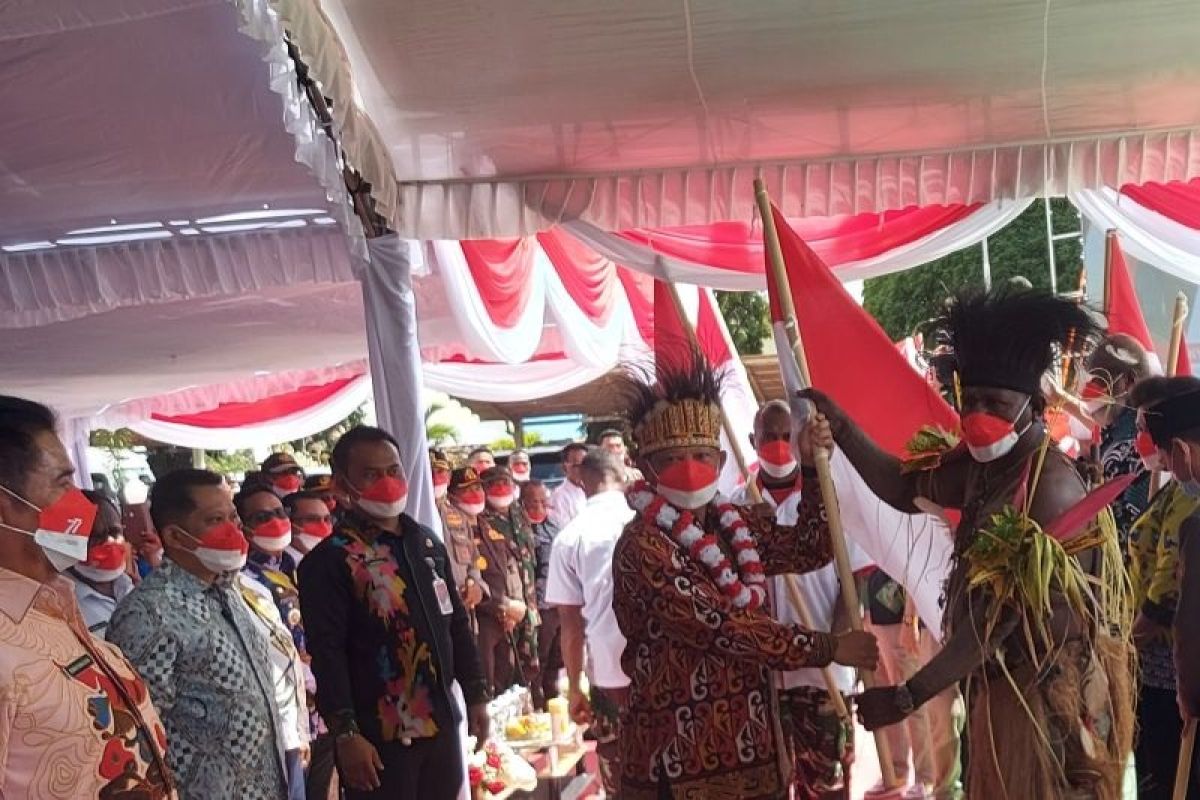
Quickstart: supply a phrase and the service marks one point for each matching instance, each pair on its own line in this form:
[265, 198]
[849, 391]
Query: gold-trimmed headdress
[682, 423]
[682, 408]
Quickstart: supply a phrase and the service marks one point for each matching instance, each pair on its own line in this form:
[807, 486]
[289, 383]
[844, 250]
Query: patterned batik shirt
[207, 668]
[701, 711]
[544, 534]
[1118, 456]
[75, 719]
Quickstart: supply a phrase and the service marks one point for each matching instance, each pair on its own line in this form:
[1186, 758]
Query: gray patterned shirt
[208, 673]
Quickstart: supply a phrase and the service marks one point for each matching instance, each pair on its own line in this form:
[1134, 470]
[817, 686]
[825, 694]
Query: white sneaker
[917, 792]
[881, 792]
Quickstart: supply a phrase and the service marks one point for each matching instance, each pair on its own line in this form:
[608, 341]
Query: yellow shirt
[1154, 548]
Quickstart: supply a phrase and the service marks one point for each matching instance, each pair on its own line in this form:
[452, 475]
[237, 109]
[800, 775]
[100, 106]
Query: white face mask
[777, 470]
[272, 544]
[474, 509]
[439, 491]
[215, 559]
[99, 575]
[308, 541]
[63, 549]
[502, 502]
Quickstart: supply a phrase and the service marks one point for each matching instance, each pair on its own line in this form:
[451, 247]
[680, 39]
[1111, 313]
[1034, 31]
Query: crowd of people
[306, 637]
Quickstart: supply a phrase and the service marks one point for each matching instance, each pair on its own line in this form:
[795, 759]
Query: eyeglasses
[259, 517]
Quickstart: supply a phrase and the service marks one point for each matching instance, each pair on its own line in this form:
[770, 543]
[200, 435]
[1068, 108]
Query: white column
[395, 359]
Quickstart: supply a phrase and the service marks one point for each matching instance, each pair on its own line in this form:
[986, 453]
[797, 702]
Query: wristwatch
[343, 726]
[904, 699]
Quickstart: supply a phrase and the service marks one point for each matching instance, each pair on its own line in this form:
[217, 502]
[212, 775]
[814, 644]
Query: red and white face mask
[776, 460]
[989, 437]
[520, 472]
[63, 527]
[105, 562]
[441, 482]
[287, 483]
[273, 536]
[470, 502]
[312, 534]
[386, 498]
[688, 483]
[501, 495]
[1151, 458]
[222, 548]
[537, 517]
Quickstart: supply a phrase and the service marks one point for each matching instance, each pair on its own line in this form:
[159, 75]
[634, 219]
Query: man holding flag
[1037, 618]
[689, 594]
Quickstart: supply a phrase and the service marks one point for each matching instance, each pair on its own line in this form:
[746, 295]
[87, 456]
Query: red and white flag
[852, 360]
[1125, 312]
[671, 344]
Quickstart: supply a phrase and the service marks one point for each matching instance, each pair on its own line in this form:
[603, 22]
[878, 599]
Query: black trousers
[496, 654]
[1156, 751]
[428, 769]
[550, 651]
[320, 767]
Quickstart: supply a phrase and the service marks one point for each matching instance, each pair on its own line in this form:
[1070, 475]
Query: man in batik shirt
[689, 592]
[190, 634]
[505, 515]
[75, 718]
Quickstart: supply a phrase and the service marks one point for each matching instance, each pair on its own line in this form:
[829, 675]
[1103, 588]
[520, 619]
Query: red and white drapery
[558, 304]
[729, 255]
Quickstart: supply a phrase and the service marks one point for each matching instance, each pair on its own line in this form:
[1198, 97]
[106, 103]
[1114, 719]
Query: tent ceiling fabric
[137, 110]
[478, 120]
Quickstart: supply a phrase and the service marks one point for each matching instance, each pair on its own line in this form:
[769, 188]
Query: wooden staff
[1178, 323]
[824, 475]
[1183, 771]
[1110, 244]
[802, 610]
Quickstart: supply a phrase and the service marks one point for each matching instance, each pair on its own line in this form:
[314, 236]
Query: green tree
[438, 433]
[747, 317]
[320, 445]
[903, 301]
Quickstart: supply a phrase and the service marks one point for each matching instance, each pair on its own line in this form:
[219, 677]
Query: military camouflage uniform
[822, 744]
[516, 529]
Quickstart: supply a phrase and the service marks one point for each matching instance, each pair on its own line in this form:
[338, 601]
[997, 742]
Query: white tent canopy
[475, 121]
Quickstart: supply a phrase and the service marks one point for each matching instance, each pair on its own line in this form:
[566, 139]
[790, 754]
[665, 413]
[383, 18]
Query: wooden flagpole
[739, 457]
[1178, 323]
[1110, 243]
[1183, 771]
[824, 474]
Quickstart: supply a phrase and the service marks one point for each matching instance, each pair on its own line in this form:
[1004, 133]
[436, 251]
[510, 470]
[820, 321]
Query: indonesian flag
[850, 357]
[852, 360]
[672, 346]
[1125, 312]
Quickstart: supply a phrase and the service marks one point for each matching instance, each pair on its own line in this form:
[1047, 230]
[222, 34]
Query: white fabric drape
[395, 359]
[316, 418]
[43, 287]
[1146, 235]
[980, 224]
[76, 433]
[500, 383]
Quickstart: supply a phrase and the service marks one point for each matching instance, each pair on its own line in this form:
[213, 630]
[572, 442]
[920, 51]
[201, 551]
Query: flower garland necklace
[747, 588]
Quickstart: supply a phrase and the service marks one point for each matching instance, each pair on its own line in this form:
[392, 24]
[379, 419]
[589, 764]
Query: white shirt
[97, 608]
[287, 672]
[566, 501]
[581, 575]
[820, 589]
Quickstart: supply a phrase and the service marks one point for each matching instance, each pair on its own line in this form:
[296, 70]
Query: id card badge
[443, 596]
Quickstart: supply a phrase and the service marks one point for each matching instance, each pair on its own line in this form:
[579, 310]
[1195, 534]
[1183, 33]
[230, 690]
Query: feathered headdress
[682, 408]
[1009, 337]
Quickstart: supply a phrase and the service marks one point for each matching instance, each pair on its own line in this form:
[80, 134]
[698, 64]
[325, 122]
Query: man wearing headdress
[1037, 625]
[689, 593]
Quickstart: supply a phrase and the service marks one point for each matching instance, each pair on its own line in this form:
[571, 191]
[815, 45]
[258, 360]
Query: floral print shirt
[384, 649]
